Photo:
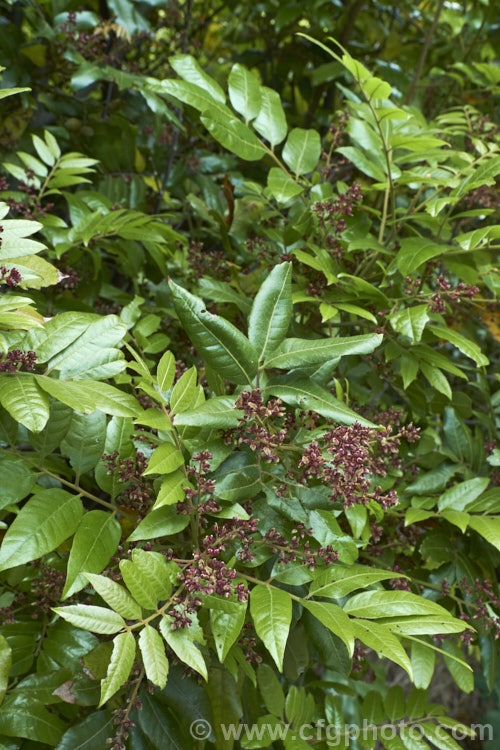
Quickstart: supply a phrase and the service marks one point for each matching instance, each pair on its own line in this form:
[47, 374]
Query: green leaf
[184, 392]
[271, 120]
[236, 137]
[467, 347]
[417, 250]
[271, 690]
[30, 719]
[110, 400]
[423, 660]
[302, 352]
[68, 393]
[21, 396]
[188, 68]
[159, 572]
[488, 527]
[461, 495]
[165, 459]
[436, 379]
[223, 347]
[439, 737]
[197, 97]
[380, 639]
[153, 656]
[271, 611]
[302, 150]
[282, 185]
[89, 734]
[84, 441]
[89, 617]
[139, 585]
[333, 618]
[5, 665]
[162, 522]
[96, 539]
[16, 481]
[119, 667]
[395, 703]
[181, 643]
[305, 394]
[226, 628]
[116, 596]
[338, 581]
[44, 522]
[271, 311]
[374, 604]
[411, 321]
[216, 412]
[244, 92]
[423, 625]
[461, 673]
[171, 490]
[165, 372]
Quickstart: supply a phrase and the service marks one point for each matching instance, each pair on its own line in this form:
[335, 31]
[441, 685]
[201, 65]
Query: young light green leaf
[162, 522]
[44, 522]
[380, 639]
[188, 68]
[222, 345]
[139, 585]
[119, 667]
[271, 311]
[338, 581]
[22, 397]
[156, 568]
[96, 539]
[282, 185]
[181, 643]
[271, 120]
[171, 490]
[488, 527]
[374, 604]
[88, 617]
[165, 372]
[302, 150]
[153, 656]
[271, 611]
[244, 92]
[116, 596]
[436, 378]
[226, 628]
[165, 459]
[184, 392]
[5, 665]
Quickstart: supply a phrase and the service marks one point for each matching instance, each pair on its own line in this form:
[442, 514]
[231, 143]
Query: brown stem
[423, 54]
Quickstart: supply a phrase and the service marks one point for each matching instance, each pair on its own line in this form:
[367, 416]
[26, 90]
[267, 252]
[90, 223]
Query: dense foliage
[248, 375]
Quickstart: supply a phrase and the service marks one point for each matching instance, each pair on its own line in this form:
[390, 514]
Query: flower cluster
[138, 494]
[202, 262]
[11, 277]
[331, 216]
[480, 598]
[347, 461]
[255, 428]
[456, 294]
[297, 549]
[16, 359]
[31, 207]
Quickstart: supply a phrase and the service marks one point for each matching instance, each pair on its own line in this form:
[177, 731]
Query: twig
[423, 54]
